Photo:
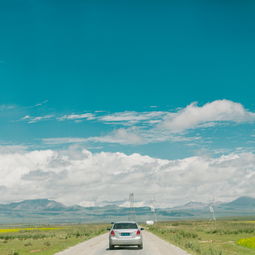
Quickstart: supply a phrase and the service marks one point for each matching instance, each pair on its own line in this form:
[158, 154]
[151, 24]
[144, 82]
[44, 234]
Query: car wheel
[111, 247]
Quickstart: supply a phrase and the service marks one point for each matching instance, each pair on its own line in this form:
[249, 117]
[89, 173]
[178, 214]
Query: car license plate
[125, 234]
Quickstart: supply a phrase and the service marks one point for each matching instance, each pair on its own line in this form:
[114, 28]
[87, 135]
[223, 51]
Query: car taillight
[138, 232]
[112, 233]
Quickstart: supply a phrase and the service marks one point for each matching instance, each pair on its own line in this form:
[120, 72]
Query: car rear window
[125, 226]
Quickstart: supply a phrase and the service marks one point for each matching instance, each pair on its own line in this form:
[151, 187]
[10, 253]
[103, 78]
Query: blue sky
[166, 79]
[87, 56]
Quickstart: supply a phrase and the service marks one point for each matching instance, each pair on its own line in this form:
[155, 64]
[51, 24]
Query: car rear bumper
[124, 242]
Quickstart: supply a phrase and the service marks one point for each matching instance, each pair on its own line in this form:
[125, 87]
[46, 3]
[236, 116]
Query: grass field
[224, 237]
[45, 240]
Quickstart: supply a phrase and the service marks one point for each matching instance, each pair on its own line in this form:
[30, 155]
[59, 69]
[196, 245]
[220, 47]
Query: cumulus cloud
[194, 116]
[77, 176]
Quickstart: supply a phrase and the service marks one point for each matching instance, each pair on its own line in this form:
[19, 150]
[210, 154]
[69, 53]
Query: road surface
[99, 246]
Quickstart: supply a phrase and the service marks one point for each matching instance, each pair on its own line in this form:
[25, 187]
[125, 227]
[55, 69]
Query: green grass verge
[45, 240]
[208, 238]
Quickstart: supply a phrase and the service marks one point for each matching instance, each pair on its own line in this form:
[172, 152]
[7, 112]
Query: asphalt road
[99, 246]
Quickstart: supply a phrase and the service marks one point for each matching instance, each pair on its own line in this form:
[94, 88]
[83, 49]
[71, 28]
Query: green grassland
[45, 240]
[224, 237]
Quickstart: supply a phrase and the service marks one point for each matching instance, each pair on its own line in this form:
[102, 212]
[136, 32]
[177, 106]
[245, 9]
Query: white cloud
[194, 116]
[74, 117]
[6, 107]
[31, 119]
[127, 136]
[27, 117]
[5, 149]
[88, 116]
[131, 117]
[42, 103]
[77, 176]
[159, 126]
[156, 126]
[121, 136]
[127, 118]
[64, 140]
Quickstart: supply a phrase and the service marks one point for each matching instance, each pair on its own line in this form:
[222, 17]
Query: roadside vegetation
[45, 240]
[224, 237]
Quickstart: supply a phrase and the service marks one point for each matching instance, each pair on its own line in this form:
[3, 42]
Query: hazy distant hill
[241, 202]
[50, 211]
[36, 205]
[191, 205]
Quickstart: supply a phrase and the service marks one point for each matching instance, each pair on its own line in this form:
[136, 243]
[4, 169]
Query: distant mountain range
[49, 211]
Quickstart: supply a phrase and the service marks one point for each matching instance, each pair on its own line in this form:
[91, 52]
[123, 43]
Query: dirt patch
[206, 241]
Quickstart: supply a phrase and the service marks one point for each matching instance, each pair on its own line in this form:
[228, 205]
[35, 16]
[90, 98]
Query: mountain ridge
[51, 211]
[241, 202]
[50, 204]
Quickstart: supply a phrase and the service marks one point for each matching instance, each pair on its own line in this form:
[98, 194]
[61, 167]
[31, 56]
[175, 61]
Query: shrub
[13, 253]
[28, 244]
[47, 243]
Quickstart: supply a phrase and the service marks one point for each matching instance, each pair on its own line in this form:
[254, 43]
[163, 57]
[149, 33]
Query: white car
[125, 233]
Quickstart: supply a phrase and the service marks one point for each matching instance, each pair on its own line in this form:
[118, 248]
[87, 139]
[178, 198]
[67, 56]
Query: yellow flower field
[247, 242]
[10, 230]
[45, 240]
